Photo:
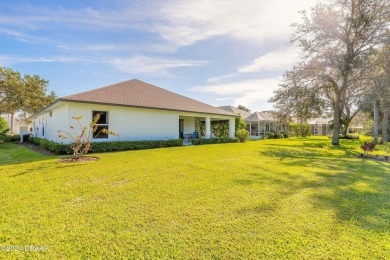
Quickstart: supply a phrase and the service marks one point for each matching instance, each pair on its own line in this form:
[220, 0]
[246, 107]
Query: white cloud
[277, 60]
[251, 93]
[186, 22]
[150, 65]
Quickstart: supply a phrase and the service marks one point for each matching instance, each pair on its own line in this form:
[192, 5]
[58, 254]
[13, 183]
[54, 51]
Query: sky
[226, 52]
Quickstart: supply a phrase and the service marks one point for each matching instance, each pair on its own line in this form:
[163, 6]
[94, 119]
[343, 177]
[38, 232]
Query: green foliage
[368, 147]
[200, 141]
[101, 147]
[51, 146]
[240, 124]
[11, 138]
[27, 94]
[220, 129]
[242, 135]
[243, 108]
[300, 130]
[276, 135]
[387, 148]
[3, 128]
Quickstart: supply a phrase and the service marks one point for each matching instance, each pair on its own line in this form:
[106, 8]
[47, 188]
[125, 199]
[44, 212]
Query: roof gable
[137, 93]
[244, 114]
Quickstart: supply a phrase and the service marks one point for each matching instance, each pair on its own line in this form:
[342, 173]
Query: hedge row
[101, 147]
[199, 141]
[51, 146]
[277, 135]
[11, 138]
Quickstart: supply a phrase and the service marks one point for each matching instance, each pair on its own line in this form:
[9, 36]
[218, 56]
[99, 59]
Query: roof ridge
[108, 86]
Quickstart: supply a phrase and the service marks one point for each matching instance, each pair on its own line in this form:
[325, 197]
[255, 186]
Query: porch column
[208, 127]
[232, 127]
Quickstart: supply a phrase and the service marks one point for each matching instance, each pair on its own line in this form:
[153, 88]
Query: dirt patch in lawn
[80, 159]
[375, 157]
[36, 148]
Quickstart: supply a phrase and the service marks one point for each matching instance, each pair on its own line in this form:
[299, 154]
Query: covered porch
[200, 126]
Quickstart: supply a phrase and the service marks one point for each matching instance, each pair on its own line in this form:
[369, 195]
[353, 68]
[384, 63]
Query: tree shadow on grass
[14, 154]
[356, 190]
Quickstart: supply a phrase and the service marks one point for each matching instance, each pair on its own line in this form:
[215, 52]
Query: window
[101, 124]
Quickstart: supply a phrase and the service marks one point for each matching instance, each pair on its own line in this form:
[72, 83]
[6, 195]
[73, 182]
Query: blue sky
[218, 52]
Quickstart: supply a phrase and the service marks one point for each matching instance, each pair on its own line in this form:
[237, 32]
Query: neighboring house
[320, 126]
[264, 122]
[244, 114]
[260, 123]
[133, 109]
[19, 125]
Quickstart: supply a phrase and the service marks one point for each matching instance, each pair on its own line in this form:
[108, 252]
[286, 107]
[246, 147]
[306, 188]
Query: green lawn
[286, 198]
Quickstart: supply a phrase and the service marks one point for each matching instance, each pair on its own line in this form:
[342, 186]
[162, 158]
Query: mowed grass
[286, 198]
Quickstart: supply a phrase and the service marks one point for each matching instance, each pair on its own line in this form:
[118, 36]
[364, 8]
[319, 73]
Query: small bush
[200, 141]
[274, 135]
[368, 147]
[242, 135]
[300, 130]
[11, 138]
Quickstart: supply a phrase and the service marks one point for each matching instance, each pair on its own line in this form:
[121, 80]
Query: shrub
[242, 135]
[300, 130]
[11, 138]
[101, 147]
[274, 135]
[3, 128]
[368, 147]
[200, 141]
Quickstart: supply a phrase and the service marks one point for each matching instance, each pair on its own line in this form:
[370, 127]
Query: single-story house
[133, 109]
[259, 123]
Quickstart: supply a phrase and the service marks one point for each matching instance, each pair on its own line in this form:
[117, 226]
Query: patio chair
[195, 135]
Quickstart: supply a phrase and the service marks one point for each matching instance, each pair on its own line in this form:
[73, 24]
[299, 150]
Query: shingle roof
[137, 93]
[261, 116]
[244, 114]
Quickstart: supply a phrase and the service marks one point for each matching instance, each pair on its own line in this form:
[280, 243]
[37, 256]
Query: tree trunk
[385, 123]
[376, 119]
[345, 130]
[336, 130]
[12, 123]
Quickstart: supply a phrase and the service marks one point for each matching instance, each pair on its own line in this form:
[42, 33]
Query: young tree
[81, 136]
[336, 42]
